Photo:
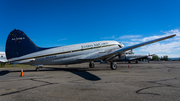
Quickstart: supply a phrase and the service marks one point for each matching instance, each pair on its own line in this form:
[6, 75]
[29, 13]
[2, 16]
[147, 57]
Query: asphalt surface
[155, 81]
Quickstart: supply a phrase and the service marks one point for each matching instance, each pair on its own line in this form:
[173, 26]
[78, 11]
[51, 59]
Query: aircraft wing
[113, 53]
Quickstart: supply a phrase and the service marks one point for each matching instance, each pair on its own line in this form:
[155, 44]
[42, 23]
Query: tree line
[165, 58]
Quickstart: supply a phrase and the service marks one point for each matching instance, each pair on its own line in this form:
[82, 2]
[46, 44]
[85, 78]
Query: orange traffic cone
[21, 72]
[128, 66]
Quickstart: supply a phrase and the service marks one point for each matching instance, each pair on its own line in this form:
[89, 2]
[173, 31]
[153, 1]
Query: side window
[1, 56]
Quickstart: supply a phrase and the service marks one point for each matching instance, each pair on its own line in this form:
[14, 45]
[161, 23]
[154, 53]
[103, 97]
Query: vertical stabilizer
[19, 44]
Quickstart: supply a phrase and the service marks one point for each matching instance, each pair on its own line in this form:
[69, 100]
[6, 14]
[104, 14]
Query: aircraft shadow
[4, 72]
[77, 71]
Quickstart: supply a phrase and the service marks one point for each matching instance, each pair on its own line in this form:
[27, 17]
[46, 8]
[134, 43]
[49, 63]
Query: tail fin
[19, 44]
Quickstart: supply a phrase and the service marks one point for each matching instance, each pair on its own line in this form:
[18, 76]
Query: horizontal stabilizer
[23, 61]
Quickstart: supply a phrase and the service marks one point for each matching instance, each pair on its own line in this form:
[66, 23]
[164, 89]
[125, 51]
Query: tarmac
[154, 81]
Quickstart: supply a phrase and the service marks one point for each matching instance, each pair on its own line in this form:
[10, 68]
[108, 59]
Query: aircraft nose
[122, 45]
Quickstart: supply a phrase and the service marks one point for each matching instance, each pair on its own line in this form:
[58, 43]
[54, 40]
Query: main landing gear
[38, 68]
[91, 64]
[113, 65]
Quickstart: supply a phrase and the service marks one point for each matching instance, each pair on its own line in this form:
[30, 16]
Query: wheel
[129, 61]
[91, 65]
[37, 69]
[113, 66]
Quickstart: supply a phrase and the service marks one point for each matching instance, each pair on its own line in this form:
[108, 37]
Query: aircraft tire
[37, 69]
[113, 66]
[91, 65]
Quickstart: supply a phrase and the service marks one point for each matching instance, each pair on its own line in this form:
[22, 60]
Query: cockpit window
[120, 46]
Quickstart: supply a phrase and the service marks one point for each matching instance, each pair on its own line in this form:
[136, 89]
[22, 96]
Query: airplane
[20, 49]
[136, 57]
[130, 56]
[3, 59]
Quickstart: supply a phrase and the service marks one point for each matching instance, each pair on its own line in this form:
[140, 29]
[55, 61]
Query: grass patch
[8, 65]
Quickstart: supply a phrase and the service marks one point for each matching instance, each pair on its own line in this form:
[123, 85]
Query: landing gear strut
[113, 65]
[91, 64]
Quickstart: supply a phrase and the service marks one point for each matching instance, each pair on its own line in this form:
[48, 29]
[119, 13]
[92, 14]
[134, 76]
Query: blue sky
[64, 22]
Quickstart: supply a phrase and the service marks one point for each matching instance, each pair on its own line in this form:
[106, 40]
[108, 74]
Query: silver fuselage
[69, 54]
